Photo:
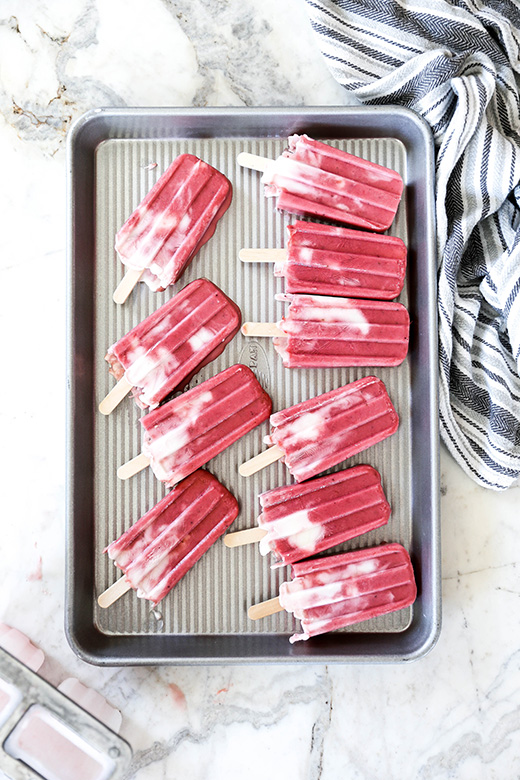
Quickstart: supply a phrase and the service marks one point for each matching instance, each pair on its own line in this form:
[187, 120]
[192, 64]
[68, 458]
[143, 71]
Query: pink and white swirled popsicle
[301, 520]
[332, 260]
[321, 432]
[164, 544]
[305, 519]
[316, 179]
[183, 434]
[325, 332]
[335, 591]
[169, 347]
[172, 222]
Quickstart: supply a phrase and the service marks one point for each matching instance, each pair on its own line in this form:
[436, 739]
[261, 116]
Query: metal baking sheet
[115, 156]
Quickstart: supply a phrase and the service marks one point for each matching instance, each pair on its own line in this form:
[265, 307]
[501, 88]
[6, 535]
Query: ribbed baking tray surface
[211, 601]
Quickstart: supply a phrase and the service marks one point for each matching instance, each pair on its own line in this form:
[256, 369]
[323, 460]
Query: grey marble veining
[82, 54]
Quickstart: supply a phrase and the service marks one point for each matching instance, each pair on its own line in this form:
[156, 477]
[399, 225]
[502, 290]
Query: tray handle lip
[102, 650]
[404, 115]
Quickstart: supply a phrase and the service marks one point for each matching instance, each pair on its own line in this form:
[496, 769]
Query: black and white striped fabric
[457, 64]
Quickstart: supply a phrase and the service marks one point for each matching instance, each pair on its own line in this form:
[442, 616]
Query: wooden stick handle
[114, 592]
[268, 329]
[260, 461]
[265, 608]
[247, 536]
[262, 255]
[115, 396]
[254, 162]
[133, 466]
[127, 284]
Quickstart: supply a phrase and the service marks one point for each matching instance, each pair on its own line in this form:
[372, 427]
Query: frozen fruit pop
[324, 332]
[166, 230]
[316, 179]
[300, 520]
[332, 260]
[165, 350]
[186, 432]
[161, 547]
[340, 590]
[315, 435]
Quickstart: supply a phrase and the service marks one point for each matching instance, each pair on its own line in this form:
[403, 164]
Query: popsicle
[161, 547]
[321, 432]
[186, 432]
[325, 332]
[316, 179]
[332, 260]
[298, 521]
[169, 226]
[341, 590]
[169, 347]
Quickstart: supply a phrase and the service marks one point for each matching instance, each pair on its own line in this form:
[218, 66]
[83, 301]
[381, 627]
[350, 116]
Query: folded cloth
[457, 65]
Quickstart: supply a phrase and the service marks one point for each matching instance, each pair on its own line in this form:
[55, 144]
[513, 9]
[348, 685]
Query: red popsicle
[316, 179]
[317, 434]
[173, 221]
[169, 347]
[161, 547]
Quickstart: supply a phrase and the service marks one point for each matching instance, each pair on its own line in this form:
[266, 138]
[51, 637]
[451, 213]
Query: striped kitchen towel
[457, 64]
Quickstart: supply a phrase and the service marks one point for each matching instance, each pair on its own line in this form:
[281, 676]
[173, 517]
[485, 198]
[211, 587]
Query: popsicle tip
[118, 298]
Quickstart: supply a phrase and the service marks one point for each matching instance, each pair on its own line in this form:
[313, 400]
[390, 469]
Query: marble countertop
[454, 713]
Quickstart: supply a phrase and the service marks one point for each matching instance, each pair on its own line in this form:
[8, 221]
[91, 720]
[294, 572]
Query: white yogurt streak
[166, 223]
[175, 439]
[171, 442]
[351, 316]
[184, 225]
[297, 601]
[307, 427]
[361, 568]
[297, 528]
[200, 339]
[307, 539]
[145, 364]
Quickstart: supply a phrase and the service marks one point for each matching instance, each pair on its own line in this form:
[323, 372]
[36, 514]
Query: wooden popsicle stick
[115, 396]
[247, 536]
[133, 466]
[265, 608]
[260, 461]
[127, 284]
[254, 162]
[268, 329]
[262, 255]
[114, 592]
